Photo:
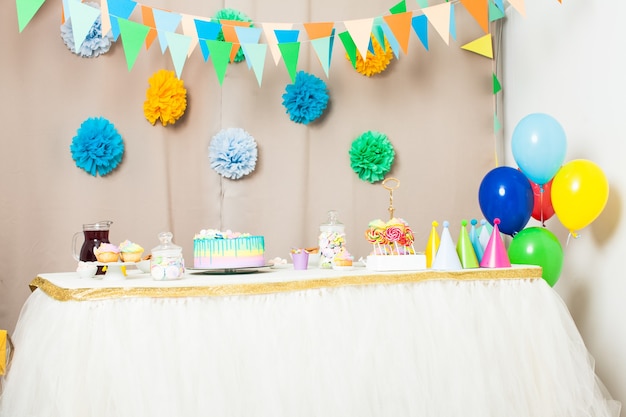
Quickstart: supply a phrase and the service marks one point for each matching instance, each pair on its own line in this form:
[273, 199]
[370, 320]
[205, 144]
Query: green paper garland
[371, 156]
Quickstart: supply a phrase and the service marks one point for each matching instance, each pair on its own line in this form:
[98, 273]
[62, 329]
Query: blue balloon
[505, 193]
[538, 145]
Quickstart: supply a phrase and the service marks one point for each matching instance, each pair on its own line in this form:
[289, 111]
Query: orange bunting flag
[479, 9]
[230, 35]
[148, 19]
[400, 25]
[319, 30]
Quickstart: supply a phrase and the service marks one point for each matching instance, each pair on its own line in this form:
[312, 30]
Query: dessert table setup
[314, 342]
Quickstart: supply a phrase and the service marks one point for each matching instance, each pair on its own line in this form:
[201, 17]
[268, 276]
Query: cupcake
[342, 258]
[107, 252]
[130, 252]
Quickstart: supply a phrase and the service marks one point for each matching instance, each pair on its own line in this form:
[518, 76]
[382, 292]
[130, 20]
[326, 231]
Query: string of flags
[182, 33]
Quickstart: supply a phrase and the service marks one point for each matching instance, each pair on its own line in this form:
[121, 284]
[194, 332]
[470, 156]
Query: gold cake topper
[391, 184]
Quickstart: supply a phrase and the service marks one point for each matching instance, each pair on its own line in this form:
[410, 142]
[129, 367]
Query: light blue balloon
[539, 145]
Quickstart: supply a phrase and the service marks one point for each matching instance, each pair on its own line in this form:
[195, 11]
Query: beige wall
[436, 107]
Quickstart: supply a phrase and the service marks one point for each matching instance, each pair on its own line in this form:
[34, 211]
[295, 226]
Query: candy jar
[167, 259]
[331, 239]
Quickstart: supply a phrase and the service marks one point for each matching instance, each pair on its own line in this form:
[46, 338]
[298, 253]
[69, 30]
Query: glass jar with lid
[332, 238]
[167, 261]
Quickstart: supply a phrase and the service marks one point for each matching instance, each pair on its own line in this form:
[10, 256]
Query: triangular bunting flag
[319, 30]
[119, 9]
[496, 123]
[3, 351]
[287, 36]
[249, 36]
[378, 32]
[479, 9]
[452, 22]
[207, 31]
[400, 25]
[133, 36]
[520, 6]
[420, 27]
[349, 46]
[398, 8]
[360, 32]
[494, 12]
[270, 37]
[105, 19]
[496, 85]
[255, 55]
[188, 23]
[230, 35]
[220, 56]
[83, 17]
[290, 52]
[323, 48]
[439, 17]
[481, 46]
[26, 9]
[165, 22]
[178, 45]
[391, 38]
[147, 17]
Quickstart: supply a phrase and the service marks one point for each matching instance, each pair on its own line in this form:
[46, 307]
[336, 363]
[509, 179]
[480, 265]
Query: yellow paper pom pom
[375, 62]
[166, 98]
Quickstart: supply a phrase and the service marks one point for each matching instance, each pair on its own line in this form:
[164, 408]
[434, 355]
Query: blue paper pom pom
[233, 153]
[97, 147]
[94, 44]
[306, 99]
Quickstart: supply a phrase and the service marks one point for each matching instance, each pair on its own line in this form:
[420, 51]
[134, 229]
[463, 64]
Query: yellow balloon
[580, 191]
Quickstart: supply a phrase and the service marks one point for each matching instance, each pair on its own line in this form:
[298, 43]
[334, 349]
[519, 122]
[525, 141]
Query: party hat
[478, 247]
[447, 258]
[495, 255]
[432, 245]
[484, 234]
[465, 250]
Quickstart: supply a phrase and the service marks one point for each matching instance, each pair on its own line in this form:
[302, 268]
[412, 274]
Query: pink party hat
[495, 255]
[432, 245]
[446, 258]
[465, 250]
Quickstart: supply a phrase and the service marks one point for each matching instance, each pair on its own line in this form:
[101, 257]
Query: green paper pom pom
[371, 156]
[232, 14]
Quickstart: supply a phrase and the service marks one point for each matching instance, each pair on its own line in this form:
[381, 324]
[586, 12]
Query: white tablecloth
[312, 343]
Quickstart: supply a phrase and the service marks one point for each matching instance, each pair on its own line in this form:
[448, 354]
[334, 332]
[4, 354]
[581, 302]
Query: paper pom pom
[166, 98]
[94, 44]
[233, 153]
[232, 14]
[376, 62]
[371, 156]
[97, 147]
[306, 99]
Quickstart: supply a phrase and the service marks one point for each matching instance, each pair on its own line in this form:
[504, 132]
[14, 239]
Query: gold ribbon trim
[84, 294]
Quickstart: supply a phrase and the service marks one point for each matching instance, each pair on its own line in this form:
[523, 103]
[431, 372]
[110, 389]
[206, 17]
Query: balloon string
[543, 223]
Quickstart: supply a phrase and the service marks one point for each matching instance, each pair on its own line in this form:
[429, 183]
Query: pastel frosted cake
[213, 249]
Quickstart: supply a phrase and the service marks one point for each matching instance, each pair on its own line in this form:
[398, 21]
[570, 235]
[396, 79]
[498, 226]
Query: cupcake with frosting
[107, 252]
[130, 251]
[342, 258]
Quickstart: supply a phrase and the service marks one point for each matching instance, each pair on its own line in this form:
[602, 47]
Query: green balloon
[538, 246]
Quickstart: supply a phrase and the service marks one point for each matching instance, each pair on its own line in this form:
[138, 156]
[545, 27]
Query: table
[482, 342]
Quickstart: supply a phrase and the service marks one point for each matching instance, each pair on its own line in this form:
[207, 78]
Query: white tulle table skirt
[484, 348]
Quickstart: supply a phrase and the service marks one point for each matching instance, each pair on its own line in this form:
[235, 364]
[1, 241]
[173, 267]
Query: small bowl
[144, 266]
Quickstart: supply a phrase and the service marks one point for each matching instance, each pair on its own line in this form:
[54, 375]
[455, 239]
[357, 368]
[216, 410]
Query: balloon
[538, 145]
[505, 193]
[542, 201]
[579, 193]
[538, 246]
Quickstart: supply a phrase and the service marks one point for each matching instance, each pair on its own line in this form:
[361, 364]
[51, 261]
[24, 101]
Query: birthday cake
[213, 249]
[392, 247]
